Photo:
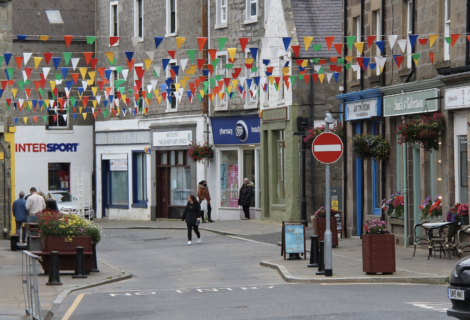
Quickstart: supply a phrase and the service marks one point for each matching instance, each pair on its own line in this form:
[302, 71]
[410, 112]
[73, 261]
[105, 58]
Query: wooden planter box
[320, 227]
[378, 253]
[67, 251]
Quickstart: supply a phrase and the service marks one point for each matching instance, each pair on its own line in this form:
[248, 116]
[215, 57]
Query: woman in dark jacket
[51, 203]
[192, 216]
[244, 198]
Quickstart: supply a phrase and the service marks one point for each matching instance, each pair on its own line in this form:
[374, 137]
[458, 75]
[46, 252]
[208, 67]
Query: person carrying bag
[204, 200]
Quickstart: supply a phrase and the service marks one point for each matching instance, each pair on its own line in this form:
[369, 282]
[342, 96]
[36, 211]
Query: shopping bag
[204, 205]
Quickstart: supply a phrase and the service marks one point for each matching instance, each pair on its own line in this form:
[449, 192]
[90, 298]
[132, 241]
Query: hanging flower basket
[367, 146]
[425, 131]
[200, 153]
[431, 208]
[312, 133]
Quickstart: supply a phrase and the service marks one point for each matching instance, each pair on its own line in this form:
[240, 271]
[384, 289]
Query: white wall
[31, 168]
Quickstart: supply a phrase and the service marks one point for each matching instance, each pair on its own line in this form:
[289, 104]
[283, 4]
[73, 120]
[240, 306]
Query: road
[221, 279]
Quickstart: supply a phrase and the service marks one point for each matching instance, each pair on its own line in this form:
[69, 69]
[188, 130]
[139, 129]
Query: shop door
[104, 187]
[416, 186]
[163, 194]
[463, 170]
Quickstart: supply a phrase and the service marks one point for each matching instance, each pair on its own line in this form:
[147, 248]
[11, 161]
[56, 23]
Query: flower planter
[378, 253]
[427, 134]
[320, 227]
[65, 245]
[366, 149]
[464, 220]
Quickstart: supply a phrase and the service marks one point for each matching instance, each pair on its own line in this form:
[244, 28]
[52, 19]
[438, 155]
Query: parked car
[65, 202]
[459, 290]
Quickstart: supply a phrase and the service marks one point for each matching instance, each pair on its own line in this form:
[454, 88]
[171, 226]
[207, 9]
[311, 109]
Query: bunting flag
[454, 37]
[329, 42]
[68, 40]
[392, 39]
[432, 39]
[370, 41]
[113, 41]
[307, 42]
[158, 41]
[201, 43]
[243, 43]
[179, 42]
[360, 47]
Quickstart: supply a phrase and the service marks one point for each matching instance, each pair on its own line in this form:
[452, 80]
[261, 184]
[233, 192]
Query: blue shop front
[365, 178]
[237, 156]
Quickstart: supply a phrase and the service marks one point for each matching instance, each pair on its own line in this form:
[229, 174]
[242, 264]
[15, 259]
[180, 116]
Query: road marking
[189, 290]
[73, 306]
[435, 306]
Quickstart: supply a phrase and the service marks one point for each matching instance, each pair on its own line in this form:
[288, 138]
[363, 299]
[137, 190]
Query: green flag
[90, 40]
[316, 47]
[67, 57]
[222, 42]
[105, 113]
[350, 40]
[191, 54]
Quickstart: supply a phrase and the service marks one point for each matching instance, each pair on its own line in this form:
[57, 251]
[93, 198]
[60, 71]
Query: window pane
[172, 158]
[59, 176]
[141, 177]
[229, 179]
[463, 168]
[180, 185]
[119, 188]
[180, 157]
[163, 159]
[253, 9]
[281, 166]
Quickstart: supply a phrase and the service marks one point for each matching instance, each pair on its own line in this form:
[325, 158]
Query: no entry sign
[327, 148]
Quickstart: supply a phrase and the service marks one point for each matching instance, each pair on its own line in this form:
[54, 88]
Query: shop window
[180, 179]
[229, 178]
[280, 147]
[59, 176]
[118, 180]
[139, 179]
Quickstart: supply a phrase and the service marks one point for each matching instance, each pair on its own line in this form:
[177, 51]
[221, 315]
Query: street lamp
[328, 235]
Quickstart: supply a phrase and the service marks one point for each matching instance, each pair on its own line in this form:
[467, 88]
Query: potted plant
[462, 213]
[319, 224]
[431, 208]
[378, 248]
[452, 213]
[395, 206]
[425, 131]
[312, 133]
[367, 146]
[200, 153]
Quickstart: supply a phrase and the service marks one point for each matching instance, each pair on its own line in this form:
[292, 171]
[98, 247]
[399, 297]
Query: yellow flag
[84, 115]
[231, 52]
[90, 82]
[159, 99]
[271, 79]
[110, 56]
[177, 86]
[348, 58]
[229, 89]
[221, 95]
[41, 108]
[235, 83]
[179, 42]
[83, 72]
[183, 82]
[52, 85]
[80, 109]
[25, 119]
[359, 46]
[94, 102]
[285, 71]
[307, 42]
[249, 61]
[14, 91]
[202, 93]
[123, 97]
[37, 61]
[304, 64]
[321, 77]
[192, 69]
[46, 103]
[30, 104]
[432, 39]
[43, 38]
[94, 90]
[147, 62]
[92, 74]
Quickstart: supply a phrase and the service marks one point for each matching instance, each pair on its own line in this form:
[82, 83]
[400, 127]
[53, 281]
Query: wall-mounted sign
[276, 114]
[172, 138]
[118, 165]
[362, 109]
[410, 103]
[457, 98]
[46, 147]
[236, 130]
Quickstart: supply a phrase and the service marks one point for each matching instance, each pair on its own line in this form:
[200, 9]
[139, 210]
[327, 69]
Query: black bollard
[313, 251]
[79, 264]
[321, 259]
[54, 276]
[95, 259]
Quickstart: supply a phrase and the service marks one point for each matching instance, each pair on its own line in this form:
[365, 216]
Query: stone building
[432, 74]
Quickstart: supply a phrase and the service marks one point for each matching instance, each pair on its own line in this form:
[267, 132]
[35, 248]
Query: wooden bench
[66, 260]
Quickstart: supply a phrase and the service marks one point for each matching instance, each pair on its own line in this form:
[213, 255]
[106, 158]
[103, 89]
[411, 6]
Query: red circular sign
[327, 148]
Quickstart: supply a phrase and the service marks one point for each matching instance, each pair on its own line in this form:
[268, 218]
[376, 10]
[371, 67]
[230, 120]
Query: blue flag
[380, 45]
[286, 41]
[158, 40]
[65, 70]
[7, 57]
[129, 55]
[254, 52]
[56, 61]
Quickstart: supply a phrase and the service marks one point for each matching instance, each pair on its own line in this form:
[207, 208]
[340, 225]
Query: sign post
[328, 148]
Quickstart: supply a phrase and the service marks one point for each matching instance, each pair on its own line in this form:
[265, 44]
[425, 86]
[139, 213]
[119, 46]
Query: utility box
[336, 198]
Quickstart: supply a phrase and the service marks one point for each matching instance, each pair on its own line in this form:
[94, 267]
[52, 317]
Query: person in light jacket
[35, 204]
[203, 194]
[244, 198]
[192, 216]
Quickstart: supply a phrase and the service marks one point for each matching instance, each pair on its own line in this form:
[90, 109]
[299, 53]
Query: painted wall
[31, 168]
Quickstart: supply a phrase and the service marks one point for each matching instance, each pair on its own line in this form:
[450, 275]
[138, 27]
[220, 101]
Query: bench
[66, 260]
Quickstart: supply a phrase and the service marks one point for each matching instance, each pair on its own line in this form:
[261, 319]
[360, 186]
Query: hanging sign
[457, 98]
[362, 109]
[172, 138]
[411, 103]
[236, 130]
[118, 165]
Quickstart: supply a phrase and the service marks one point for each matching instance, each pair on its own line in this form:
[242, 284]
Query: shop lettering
[225, 131]
[255, 129]
[43, 147]
[172, 142]
[409, 103]
[362, 107]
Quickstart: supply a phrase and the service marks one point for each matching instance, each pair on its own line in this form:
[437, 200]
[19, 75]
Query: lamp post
[328, 235]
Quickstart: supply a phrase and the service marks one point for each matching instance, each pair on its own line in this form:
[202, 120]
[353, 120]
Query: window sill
[171, 35]
[114, 45]
[281, 102]
[222, 25]
[250, 106]
[118, 207]
[139, 205]
[140, 39]
[221, 108]
[171, 110]
[250, 21]
[59, 130]
[278, 206]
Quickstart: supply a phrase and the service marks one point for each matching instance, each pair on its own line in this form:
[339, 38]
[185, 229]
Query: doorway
[463, 169]
[416, 185]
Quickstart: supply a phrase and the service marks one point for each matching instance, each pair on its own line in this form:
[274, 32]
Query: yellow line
[73, 307]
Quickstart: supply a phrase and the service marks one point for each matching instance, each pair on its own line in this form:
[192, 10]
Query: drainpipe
[362, 36]
[405, 193]
[467, 46]
[382, 11]
[312, 174]
[345, 152]
[413, 66]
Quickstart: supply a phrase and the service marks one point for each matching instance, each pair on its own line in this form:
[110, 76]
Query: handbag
[204, 205]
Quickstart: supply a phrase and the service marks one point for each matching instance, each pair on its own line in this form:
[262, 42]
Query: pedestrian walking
[244, 198]
[51, 203]
[203, 194]
[34, 204]
[21, 215]
[192, 216]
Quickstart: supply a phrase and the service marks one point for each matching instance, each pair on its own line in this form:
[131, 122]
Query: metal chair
[450, 239]
[418, 240]
[462, 245]
[441, 241]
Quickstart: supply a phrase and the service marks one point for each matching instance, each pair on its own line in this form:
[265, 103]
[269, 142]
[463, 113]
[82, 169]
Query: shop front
[363, 114]
[237, 149]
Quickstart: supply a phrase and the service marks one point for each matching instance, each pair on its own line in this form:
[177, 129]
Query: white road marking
[435, 306]
[199, 290]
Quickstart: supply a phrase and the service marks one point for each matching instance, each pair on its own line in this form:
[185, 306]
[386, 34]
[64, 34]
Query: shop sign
[277, 114]
[118, 165]
[411, 103]
[236, 130]
[172, 138]
[46, 147]
[456, 98]
[361, 109]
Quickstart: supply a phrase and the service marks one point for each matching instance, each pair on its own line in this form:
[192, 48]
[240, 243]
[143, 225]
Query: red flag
[75, 77]
[236, 73]
[93, 63]
[212, 53]
[68, 40]
[329, 42]
[130, 64]
[200, 62]
[453, 38]
[113, 40]
[243, 43]
[296, 50]
[201, 43]
[47, 57]
[19, 61]
[423, 41]
[370, 40]
[431, 56]
[28, 71]
[140, 72]
[398, 60]
[101, 72]
[172, 53]
[88, 56]
[100, 85]
[339, 48]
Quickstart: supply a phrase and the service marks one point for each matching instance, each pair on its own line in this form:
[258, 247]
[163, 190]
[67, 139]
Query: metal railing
[30, 285]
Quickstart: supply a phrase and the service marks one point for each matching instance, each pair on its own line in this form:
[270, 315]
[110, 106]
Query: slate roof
[318, 18]
[29, 17]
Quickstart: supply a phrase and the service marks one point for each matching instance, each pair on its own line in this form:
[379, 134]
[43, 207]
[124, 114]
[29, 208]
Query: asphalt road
[221, 279]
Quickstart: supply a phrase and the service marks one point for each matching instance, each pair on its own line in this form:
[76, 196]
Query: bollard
[95, 259]
[321, 259]
[79, 264]
[313, 251]
[54, 276]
